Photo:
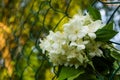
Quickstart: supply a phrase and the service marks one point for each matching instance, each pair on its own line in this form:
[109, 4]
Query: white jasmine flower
[86, 20]
[45, 45]
[74, 29]
[94, 26]
[96, 52]
[79, 46]
[93, 49]
[92, 35]
[77, 65]
[53, 43]
[69, 48]
[66, 64]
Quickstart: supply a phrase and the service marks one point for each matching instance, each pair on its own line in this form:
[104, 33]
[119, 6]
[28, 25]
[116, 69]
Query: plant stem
[112, 14]
[106, 2]
[114, 72]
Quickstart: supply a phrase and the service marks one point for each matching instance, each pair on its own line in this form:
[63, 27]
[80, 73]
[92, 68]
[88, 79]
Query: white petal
[92, 35]
[80, 47]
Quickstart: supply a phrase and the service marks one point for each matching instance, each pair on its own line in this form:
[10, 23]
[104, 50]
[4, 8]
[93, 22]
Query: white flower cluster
[76, 44]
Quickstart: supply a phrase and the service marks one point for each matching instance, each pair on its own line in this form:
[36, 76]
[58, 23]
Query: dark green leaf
[108, 26]
[105, 34]
[115, 55]
[87, 76]
[95, 14]
[69, 72]
[74, 77]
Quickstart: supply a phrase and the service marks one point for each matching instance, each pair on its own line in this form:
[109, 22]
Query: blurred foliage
[22, 24]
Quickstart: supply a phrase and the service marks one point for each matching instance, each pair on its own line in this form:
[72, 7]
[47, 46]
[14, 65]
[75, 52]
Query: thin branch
[58, 23]
[115, 42]
[37, 72]
[45, 19]
[94, 2]
[68, 4]
[54, 8]
[114, 72]
[106, 2]
[113, 14]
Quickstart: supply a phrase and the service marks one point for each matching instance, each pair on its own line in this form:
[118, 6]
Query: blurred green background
[22, 24]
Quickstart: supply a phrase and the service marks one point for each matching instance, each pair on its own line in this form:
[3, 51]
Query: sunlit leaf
[115, 55]
[69, 72]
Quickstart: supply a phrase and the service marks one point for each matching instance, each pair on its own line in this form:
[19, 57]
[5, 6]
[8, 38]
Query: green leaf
[69, 72]
[74, 77]
[91, 64]
[95, 14]
[108, 26]
[105, 34]
[115, 55]
[87, 76]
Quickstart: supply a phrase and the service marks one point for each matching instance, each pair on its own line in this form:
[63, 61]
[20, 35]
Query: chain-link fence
[24, 22]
